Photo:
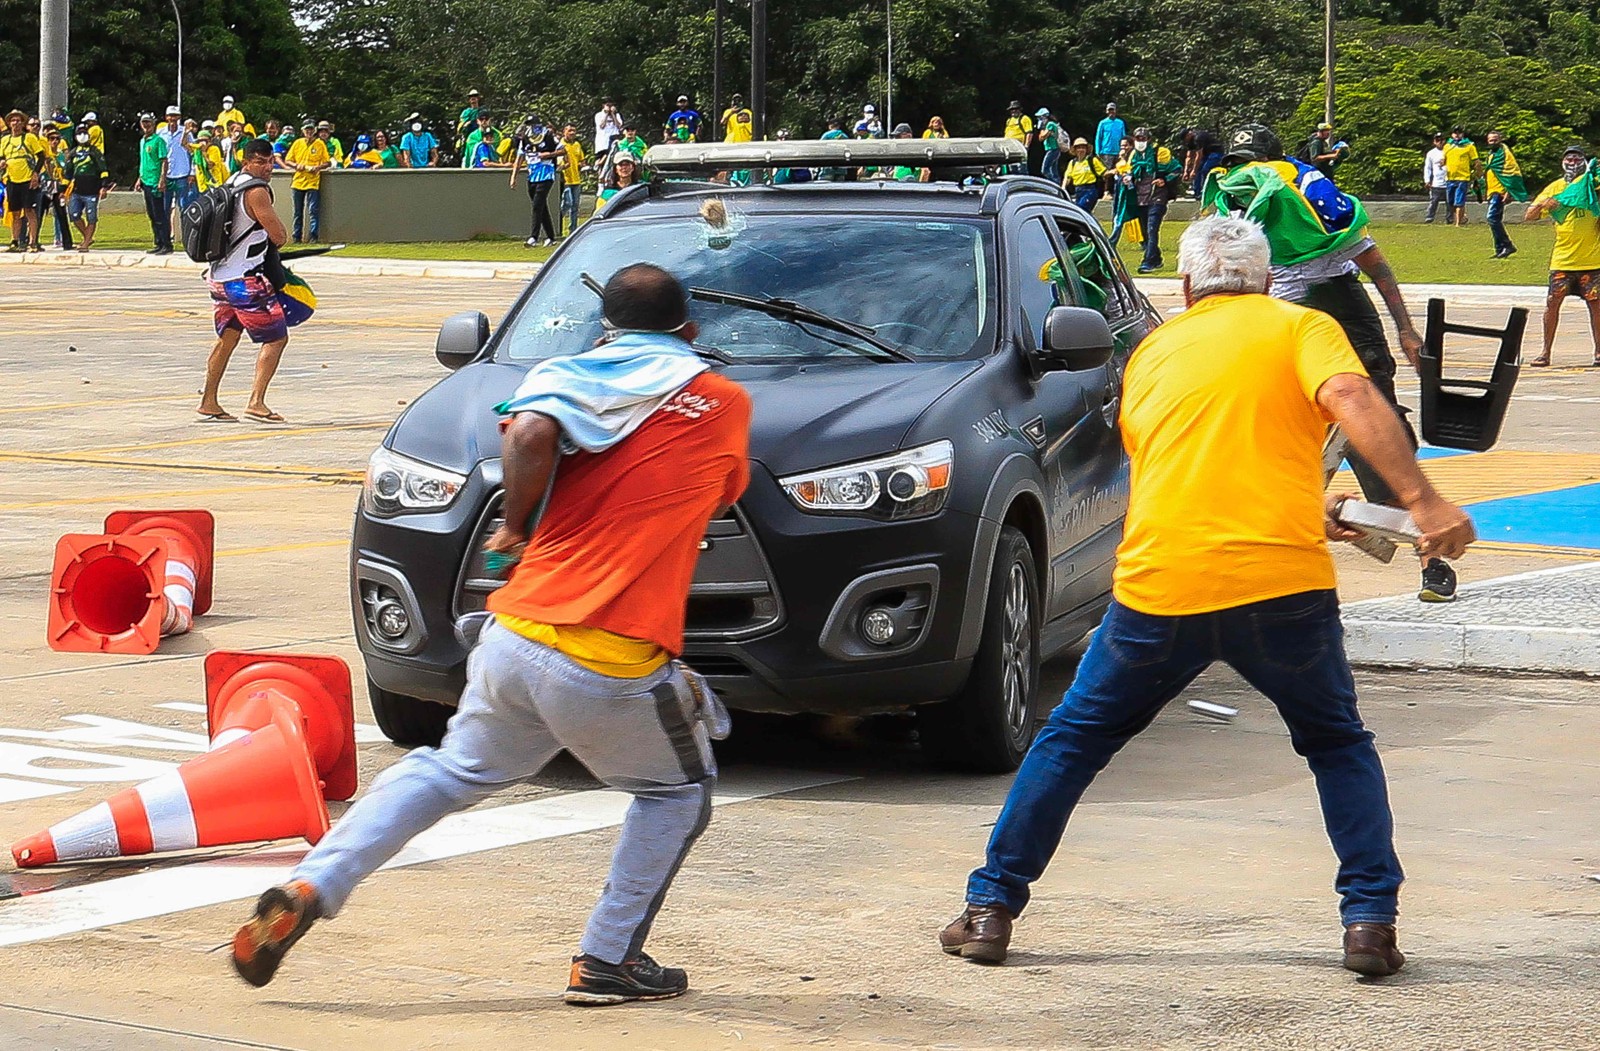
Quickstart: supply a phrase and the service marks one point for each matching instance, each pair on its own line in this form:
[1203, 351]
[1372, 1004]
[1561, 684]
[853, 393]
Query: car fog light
[877, 626]
[392, 620]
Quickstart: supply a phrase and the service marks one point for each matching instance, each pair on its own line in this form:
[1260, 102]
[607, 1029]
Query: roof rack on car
[824, 153]
[996, 193]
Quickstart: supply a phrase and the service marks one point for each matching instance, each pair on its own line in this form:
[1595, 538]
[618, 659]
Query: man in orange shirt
[578, 655]
[1224, 557]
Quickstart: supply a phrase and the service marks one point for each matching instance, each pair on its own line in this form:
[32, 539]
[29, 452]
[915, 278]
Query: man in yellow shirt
[97, 134]
[230, 113]
[1224, 557]
[1461, 166]
[26, 157]
[1575, 260]
[738, 122]
[570, 166]
[308, 158]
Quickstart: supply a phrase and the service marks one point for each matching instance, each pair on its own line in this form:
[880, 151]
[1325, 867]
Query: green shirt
[152, 160]
[491, 136]
[1050, 134]
[391, 157]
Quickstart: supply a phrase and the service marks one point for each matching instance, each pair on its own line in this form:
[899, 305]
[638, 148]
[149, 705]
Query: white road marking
[366, 733]
[14, 791]
[73, 910]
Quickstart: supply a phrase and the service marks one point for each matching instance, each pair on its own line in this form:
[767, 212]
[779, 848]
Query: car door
[1061, 413]
[1099, 476]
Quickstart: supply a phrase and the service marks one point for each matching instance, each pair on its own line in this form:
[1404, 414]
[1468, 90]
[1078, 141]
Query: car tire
[407, 720]
[988, 726]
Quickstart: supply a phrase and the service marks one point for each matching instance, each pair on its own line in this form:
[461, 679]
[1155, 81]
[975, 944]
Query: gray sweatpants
[524, 702]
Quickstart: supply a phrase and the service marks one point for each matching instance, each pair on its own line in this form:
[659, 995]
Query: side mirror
[1075, 339]
[461, 338]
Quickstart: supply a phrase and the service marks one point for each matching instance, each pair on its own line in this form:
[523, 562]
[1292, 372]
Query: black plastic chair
[1462, 413]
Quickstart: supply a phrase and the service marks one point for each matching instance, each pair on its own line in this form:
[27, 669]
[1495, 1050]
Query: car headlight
[398, 483]
[903, 485]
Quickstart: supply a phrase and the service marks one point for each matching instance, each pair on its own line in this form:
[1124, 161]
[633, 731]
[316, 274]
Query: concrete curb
[1466, 295]
[344, 266]
[1437, 639]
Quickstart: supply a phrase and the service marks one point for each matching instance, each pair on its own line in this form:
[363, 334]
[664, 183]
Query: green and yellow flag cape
[1578, 196]
[1294, 230]
[1505, 174]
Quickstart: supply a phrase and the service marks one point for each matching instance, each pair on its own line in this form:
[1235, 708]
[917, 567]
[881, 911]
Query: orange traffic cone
[244, 690]
[260, 787]
[147, 575]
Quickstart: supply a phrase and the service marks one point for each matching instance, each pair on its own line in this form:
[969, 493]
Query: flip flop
[217, 417]
[1539, 363]
[265, 417]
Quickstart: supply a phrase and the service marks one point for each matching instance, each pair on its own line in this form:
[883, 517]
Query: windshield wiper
[789, 310]
[702, 349]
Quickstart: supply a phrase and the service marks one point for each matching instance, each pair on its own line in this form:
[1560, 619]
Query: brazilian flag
[1579, 196]
[1295, 232]
[297, 299]
[1505, 174]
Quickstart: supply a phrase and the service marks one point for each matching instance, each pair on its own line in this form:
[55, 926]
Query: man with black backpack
[233, 228]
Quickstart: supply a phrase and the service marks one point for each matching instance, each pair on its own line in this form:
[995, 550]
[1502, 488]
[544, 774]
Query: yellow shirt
[1018, 127]
[1458, 161]
[595, 648]
[740, 125]
[1221, 424]
[307, 151]
[931, 134]
[1084, 171]
[97, 138]
[373, 158]
[227, 116]
[210, 167]
[572, 166]
[1577, 236]
[22, 156]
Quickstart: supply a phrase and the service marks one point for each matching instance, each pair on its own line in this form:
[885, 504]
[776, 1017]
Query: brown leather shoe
[1371, 949]
[981, 933]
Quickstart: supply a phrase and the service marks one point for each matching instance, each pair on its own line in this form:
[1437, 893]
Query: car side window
[1100, 277]
[1040, 279]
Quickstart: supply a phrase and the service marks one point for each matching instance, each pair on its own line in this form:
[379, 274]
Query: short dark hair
[256, 148]
[644, 296]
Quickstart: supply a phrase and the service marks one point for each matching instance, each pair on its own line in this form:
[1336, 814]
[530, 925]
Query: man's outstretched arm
[1376, 267]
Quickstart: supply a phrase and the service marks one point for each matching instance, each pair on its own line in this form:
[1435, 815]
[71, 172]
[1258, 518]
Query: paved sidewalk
[1546, 622]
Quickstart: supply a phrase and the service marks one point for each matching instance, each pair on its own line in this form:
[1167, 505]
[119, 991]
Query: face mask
[1572, 167]
[83, 139]
[1140, 144]
[416, 127]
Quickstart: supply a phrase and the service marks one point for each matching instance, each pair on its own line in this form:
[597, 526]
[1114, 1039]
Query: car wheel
[988, 726]
[407, 720]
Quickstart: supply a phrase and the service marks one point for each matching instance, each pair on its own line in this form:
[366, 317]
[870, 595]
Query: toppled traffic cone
[147, 575]
[244, 690]
[260, 787]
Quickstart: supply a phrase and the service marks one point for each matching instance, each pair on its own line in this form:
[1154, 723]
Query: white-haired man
[1224, 557]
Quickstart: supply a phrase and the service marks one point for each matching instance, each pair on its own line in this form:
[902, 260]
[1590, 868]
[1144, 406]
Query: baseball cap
[869, 108]
[1577, 148]
[147, 115]
[1110, 106]
[323, 125]
[1042, 112]
[91, 116]
[625, 157]
[902, 129]
[1141, 133]
[308, 123]
[174, 111]
[227, 100]
[473, 91]
[208, 124]
[1324, 126]
[1253, 142]
[683, 98]
[363, 140]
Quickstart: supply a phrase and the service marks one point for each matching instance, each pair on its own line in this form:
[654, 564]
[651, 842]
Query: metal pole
[179, 18]
[1328, 57]
[53, 18]
[716, 68]
[888, 106]
[758, 67]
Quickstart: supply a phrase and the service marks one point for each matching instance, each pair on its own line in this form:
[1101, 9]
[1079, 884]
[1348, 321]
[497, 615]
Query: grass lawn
[1419, 254]
[1422, 254]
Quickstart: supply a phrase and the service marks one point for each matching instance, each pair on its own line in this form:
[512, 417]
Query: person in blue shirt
[682, 113]
[418, 147]
[1108, 136]
[835, 131]
[539, 152]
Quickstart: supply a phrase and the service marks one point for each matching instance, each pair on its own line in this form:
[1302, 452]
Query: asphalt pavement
[1190, 907]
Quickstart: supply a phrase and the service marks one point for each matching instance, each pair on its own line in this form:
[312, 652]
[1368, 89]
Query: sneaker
[283, 914]
[1510, 252]
[1149, 268]
[532, 242]
[595, 983]
[546, 243]
[1438, 582]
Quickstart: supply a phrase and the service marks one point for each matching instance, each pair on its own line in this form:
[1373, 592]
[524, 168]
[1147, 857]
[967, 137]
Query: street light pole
[758, 67]
[716, 67]
[53, 19]
[888, 107]
[1328, 58]
[179, 18]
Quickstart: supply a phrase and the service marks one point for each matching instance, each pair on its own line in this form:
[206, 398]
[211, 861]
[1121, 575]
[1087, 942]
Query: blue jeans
[160, 216]
[1153, 213]
[570, 196]
[1086, 197]
[1497, 223]
[1456, 191]
[1050, 167]
[180, 191]
[307, 201]
[1292, 650]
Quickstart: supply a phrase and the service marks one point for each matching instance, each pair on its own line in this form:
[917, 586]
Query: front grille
[733, 594]
[715, 664]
